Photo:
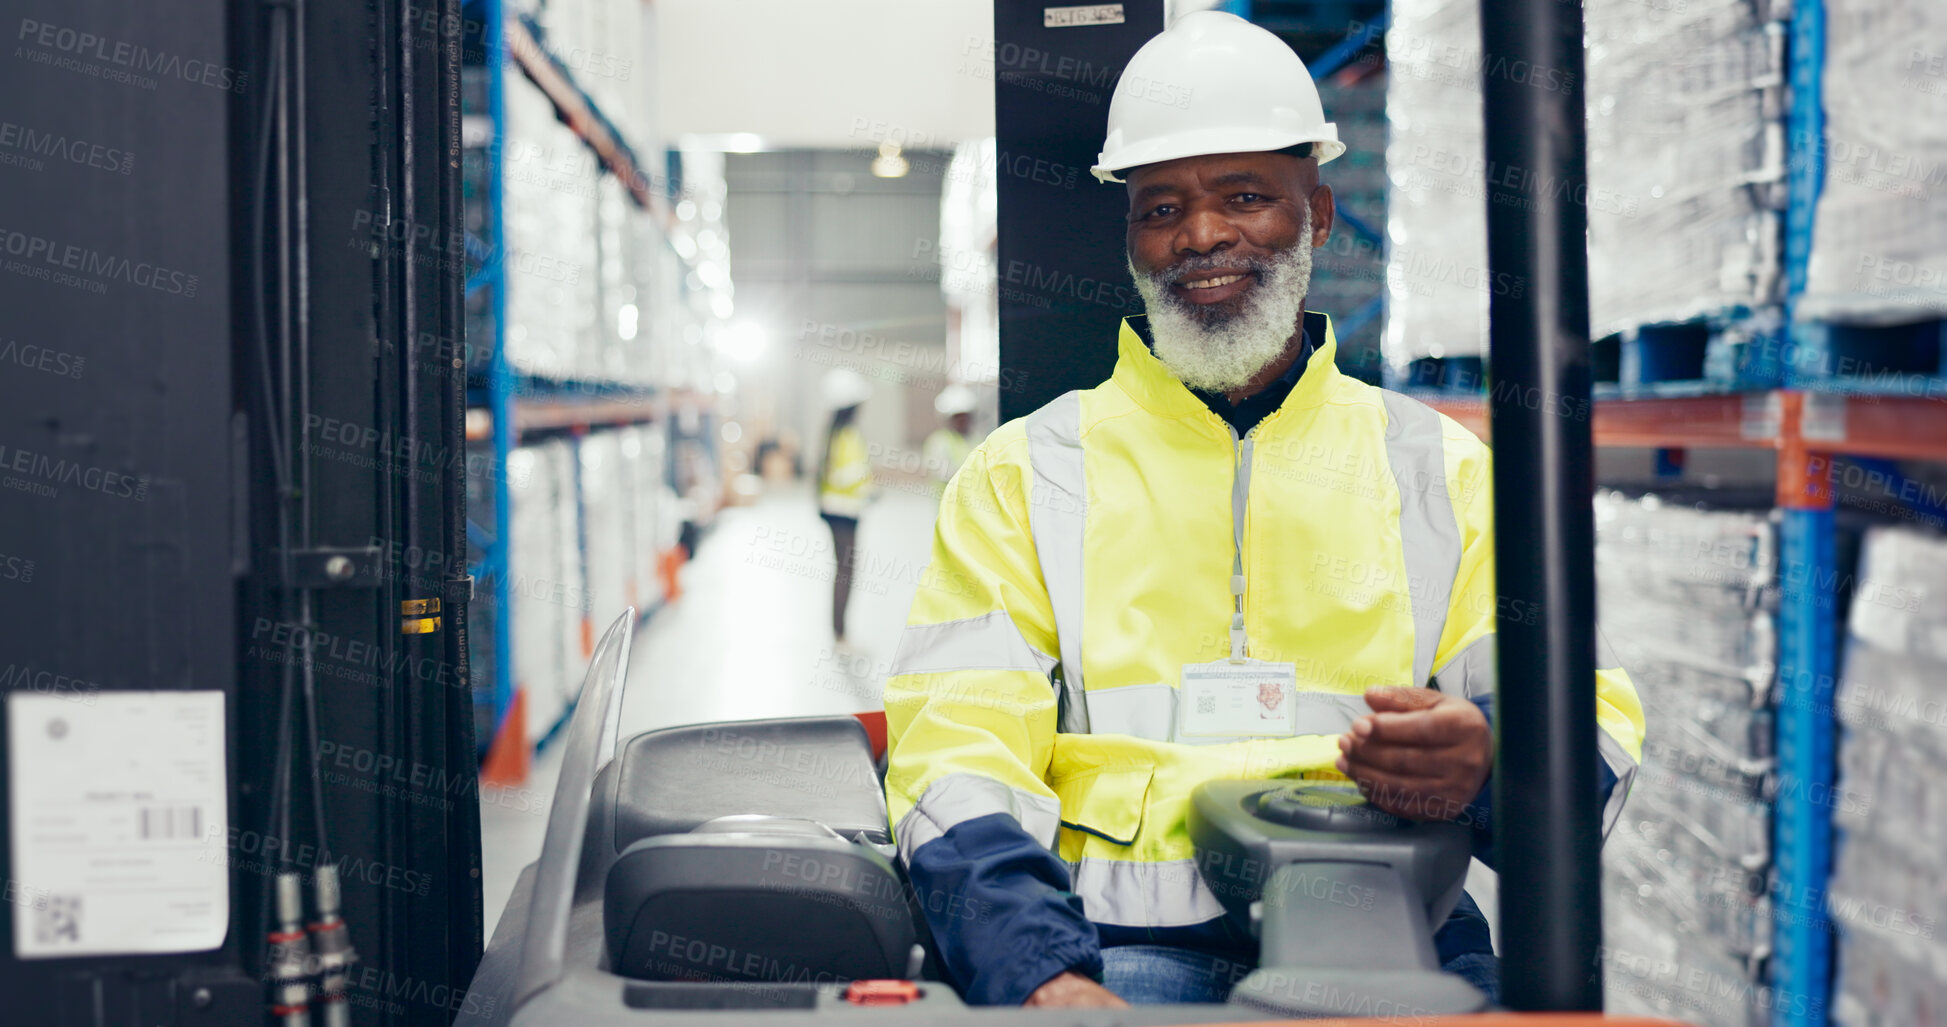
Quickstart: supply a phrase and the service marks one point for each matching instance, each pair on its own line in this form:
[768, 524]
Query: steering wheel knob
[1321, 806]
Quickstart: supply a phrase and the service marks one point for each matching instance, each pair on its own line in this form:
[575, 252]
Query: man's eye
[1162, 211]
[1247, 197]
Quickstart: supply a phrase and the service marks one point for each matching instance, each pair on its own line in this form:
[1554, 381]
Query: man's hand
[1420, 754]
[1069, 988]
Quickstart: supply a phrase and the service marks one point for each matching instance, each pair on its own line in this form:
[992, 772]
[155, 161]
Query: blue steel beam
[500, 377]
[1802, 828]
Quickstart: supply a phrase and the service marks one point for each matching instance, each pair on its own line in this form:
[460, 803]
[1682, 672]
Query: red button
[881, 993]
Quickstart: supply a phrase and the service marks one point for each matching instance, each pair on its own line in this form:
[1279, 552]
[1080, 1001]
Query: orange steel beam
[1898, 427]
[574, 110]
[541, 415]
[1738, 420]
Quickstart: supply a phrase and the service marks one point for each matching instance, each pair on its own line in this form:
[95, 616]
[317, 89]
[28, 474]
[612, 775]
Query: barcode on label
[1206, 704]
[169, 823]
[58, 920]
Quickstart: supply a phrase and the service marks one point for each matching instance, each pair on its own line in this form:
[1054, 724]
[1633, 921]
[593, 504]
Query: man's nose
[1205, 232]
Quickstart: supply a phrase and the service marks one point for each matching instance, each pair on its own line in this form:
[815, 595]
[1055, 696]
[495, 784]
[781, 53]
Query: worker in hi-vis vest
[1103, 566]
[948, 446]
[844, 482]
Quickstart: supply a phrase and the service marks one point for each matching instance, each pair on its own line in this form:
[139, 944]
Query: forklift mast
[231, 538]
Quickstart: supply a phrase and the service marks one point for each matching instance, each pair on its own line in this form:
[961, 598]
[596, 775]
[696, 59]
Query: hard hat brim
[1211, 141]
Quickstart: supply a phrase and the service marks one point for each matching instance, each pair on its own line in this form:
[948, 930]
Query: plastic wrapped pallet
[1686, 598]
[1890, 803]
[1685, 151]
[643, 449]
[578, 628]
[1436, 217]
[1879, 245]
[607, 359]
[544, 583]
[610, 549]
[549, 179]
[1686, 155]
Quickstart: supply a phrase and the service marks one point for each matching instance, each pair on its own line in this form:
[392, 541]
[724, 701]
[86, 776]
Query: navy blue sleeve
[1001, 912]
[1480, 812]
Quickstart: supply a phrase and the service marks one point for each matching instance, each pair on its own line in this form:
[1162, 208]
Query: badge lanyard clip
[1237, 615]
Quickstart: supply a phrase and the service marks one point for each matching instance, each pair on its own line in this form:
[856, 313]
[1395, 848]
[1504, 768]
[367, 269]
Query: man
[947, 447]
[1225, 516]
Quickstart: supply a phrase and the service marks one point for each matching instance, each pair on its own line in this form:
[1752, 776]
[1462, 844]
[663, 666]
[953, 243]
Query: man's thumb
[1400, 698]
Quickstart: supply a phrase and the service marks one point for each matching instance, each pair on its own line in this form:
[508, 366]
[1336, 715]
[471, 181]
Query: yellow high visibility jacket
[942, 454]
[1084, 554]
[846, 481]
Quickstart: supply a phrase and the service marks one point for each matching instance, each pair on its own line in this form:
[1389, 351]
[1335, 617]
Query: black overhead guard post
[1063, 280]
[1545, 769]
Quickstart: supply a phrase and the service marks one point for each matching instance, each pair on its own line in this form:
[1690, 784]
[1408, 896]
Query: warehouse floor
[749, 638]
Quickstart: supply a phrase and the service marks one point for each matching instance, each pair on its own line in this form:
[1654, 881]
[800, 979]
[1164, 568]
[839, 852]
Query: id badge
[1248, 699]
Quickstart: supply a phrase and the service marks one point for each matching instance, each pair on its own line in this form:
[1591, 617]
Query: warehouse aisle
[750, 638]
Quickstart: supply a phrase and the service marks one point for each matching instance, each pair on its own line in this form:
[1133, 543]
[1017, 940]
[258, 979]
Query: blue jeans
[1162, 975]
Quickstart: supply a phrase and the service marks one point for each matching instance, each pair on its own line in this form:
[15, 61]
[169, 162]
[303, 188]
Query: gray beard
[1222, 350]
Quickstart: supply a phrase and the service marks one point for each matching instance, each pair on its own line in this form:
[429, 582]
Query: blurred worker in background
[1226, 500]
[844, 481]
[947, 448]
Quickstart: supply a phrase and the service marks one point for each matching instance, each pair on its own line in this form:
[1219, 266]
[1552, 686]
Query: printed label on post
[120, 823]
[1075, 17]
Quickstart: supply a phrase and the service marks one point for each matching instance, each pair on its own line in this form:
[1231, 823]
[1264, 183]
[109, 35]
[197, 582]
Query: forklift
[256, 573]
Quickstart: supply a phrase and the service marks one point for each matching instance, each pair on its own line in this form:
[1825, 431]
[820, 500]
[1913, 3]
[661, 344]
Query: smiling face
[1220, 249]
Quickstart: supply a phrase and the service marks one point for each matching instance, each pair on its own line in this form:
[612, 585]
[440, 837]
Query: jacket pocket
[1107, 803]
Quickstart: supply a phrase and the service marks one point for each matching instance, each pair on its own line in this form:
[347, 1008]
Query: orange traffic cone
[672, 561]
[508, 756]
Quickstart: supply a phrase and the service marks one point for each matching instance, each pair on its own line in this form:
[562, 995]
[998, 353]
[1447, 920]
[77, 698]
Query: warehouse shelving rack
[1807, 416]
[506, 405]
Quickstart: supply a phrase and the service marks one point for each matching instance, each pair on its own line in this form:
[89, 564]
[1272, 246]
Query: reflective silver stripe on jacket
[1057, 514]
[1471, 672]
[990, 641]
[1429, 534]
[958, 798]
[1149, 711]
[1170, 893]
[1623, 767]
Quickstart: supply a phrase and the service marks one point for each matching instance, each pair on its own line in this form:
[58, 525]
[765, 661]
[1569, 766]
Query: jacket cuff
[1001, 914]
[1481, 810]
[1012, 985]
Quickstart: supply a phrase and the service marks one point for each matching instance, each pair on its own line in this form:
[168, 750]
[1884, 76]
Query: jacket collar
[1149, 383]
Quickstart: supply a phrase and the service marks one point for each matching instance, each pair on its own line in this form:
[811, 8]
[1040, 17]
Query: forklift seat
[807, 768]
[757, 899]
[750, 851]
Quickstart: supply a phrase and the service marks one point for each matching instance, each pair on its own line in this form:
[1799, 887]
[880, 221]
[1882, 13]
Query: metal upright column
[1807, 662]
[1545, 770]
[1801, 968]
[500, 377]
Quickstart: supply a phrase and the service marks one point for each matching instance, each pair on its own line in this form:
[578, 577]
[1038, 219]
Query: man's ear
[1323, 210]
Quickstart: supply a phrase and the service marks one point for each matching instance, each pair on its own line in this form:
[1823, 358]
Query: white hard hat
[845, 388]
[1212, 83]
[956, 399]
